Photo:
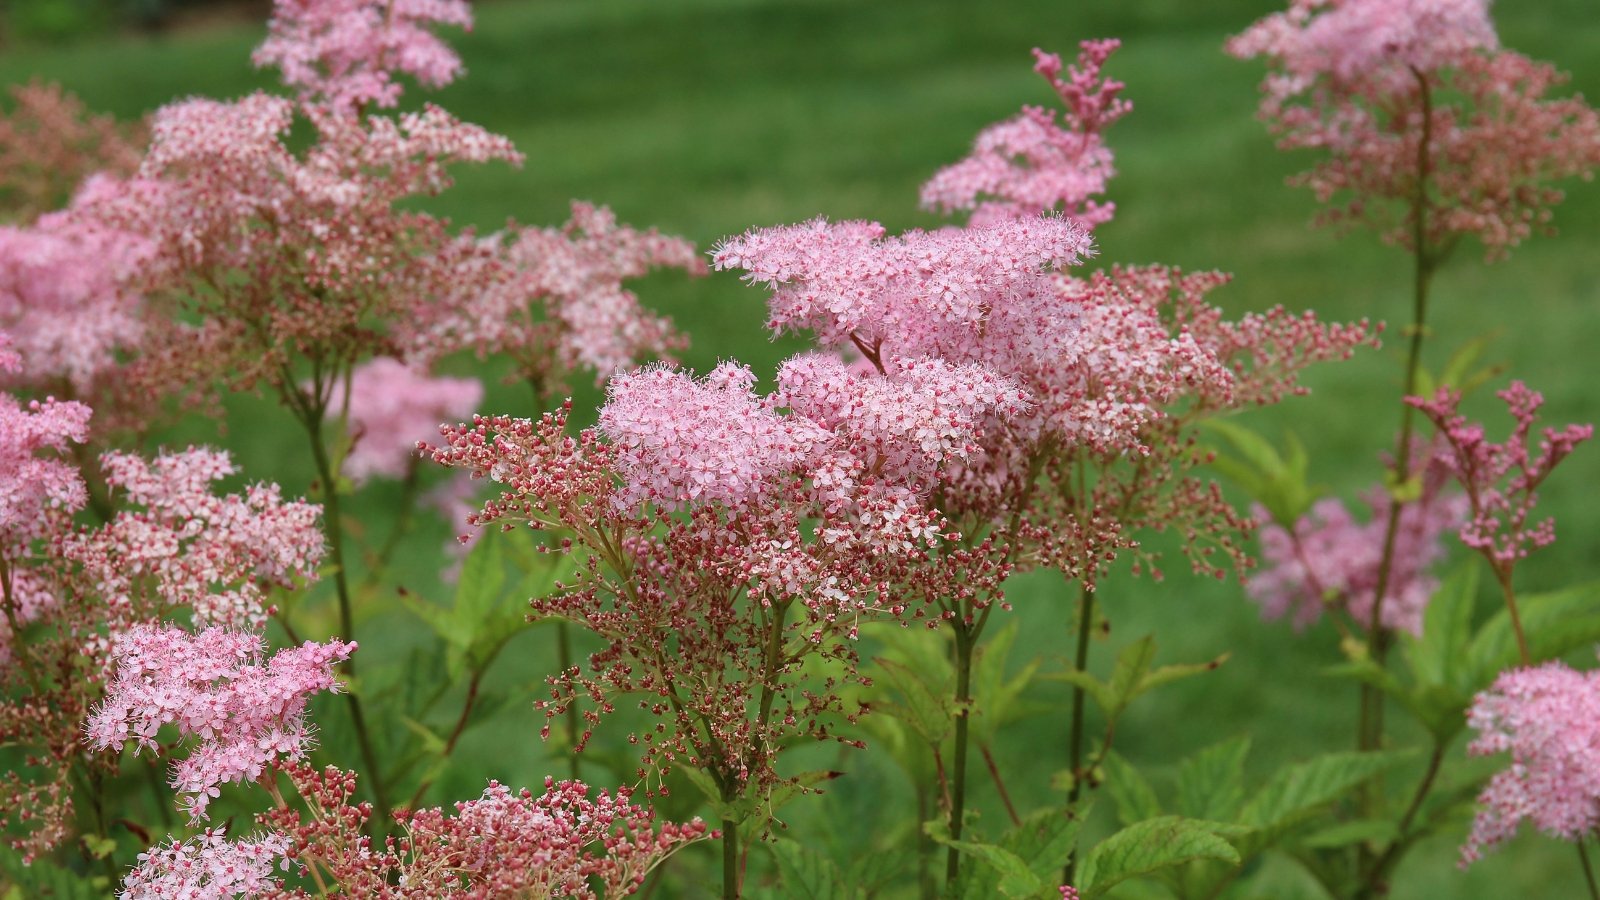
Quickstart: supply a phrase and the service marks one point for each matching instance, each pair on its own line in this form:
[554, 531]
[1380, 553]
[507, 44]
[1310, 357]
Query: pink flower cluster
[190, 548]
[36, 487]
[345, 53]
[1029, 165]
[1419, 110]
[1502, 480]
[1331, 561]
[392, 406]
[245, 710]
[207, 866]
[554, 300]
[1548, 719]
[49, 143]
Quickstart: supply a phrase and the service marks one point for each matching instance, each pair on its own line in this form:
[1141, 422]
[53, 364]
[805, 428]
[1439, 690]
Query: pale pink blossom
[187, 547]
[242, 710]
[1548, 719]
[391, 407]
[207, 866]
[1332, 560]
[1029, 165]
[36, 485]
[345, 53]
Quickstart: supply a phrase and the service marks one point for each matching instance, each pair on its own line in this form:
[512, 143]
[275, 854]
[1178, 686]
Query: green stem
[333, 524]
[455, 734]
[1504, 577]
[1370, 728]
[966, 638]
[1075, 737]
[1588, 871]
[730, 859]
[1373, 885]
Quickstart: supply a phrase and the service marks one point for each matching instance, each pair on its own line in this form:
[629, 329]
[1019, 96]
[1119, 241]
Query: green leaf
[757, 812]
[1097, 690]
[1358, 831]
[1211, 783]
[1167, 674]
[929, 712]
[1436, 657]
[713, 794]
[1554, 623]
[1295, 793]
[1277, 481]
[1045, 840]
[1147, 847]
[1130, 791]
[1128, 674]
[808, 875]
[997, 696]
[1016, 879]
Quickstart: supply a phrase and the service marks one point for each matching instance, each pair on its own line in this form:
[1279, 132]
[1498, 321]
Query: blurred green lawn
[706, 117]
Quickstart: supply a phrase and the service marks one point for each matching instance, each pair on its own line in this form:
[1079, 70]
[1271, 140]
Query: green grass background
[707, 117]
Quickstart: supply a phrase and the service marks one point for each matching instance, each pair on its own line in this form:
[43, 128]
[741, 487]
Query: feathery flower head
[190, 548]
[35, 487]
[1548, 719]
[345, 53]
[207, 866]
[1029, 165]
[391, 407]
[49, 143]
[243, 709]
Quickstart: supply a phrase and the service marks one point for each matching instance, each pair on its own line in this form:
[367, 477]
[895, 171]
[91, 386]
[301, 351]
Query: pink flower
[345, 53]
[1331, 560]
[206, 867]
[242, 709]
[1502, 480]
[1029, 165]
[35, 487]
[190, 548]
[1548, 719]
[391, 407]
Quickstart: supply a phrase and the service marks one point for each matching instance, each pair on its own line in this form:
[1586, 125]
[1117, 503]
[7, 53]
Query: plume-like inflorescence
[562, 844]
[1501, 480]
[242, 709]
[36, 487]
[49, 143]
[185, 547]
[392, 406]
[555, 304]
[1329, 560]
[1548, 719]
[1030, 164]
[208, 866]
[799, 516]
[346, 53]
[1432, 132]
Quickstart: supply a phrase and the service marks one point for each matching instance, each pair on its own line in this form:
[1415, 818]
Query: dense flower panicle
[1355, 40]
[678, 440]
[1029, 165]
[683, 602]
[554, 302]
[244, 709]
[1330, 560]
[65, 297]
[561, 843]
[1548, 719]
[190, 548]
[49, 143]
[923, 293]
[391, 407]
[1501, 480]
[207, 866]
[345, 53]
[273, 255]
[1369, 81]
[35, 486]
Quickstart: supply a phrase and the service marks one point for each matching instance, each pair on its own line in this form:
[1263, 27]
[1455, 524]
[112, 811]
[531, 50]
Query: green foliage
[1148, 847]
[1278, 481]
[1026, 862]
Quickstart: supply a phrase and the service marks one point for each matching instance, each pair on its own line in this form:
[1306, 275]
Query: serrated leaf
[1168, 674]
[1129, 671]
[1147, 847]
[1277, 481]
[808, 875]
[993, 693]
[1097, 690]
[1135, 799]
[1016, 880]
[1211, 783]
[1046, 839]
[757, 812]
[929, 713]
[1295, 793]
[708, 787]
[1554, 623]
